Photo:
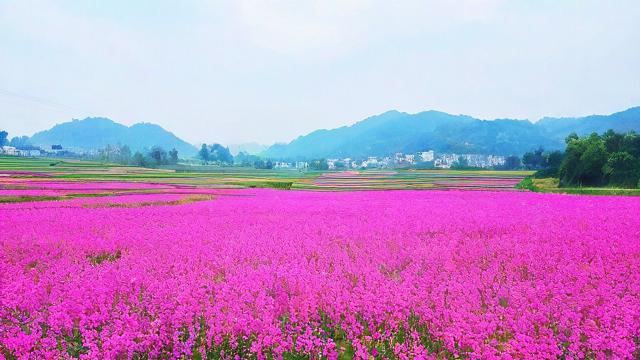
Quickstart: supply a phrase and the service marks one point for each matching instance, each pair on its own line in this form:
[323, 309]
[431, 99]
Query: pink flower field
[270, 274]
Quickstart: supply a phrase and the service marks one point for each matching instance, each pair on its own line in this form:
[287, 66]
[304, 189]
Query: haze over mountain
[379, 135]
[252, 148]
[395, 131]
[94, 133]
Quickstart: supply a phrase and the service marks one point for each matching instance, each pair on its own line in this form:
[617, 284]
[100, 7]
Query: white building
[282, 165]
[9, 150]
[28, 153]
[495, 160]
[410, 158]
[445, 161]
[427, 155]
[331, 163]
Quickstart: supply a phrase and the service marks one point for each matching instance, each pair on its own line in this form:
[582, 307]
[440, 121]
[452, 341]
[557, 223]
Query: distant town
[427, 159]
[423, 159]
[52, 151]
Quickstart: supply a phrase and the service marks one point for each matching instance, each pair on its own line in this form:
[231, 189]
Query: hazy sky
[266, 71]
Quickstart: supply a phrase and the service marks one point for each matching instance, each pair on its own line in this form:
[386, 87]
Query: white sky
[266, 71]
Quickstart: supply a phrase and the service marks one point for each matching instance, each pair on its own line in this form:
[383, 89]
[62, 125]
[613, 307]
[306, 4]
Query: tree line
[18, 142]
[118, 154]
[216, 154]
[610, 159]
[122, 154]
[221, 155]
[3, 137]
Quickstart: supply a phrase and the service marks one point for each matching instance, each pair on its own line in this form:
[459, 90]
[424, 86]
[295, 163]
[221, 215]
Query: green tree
[461, 163]
[125, 154]
[319, 164]
[245, 159]
[631, 144]
[592, 161]
[568, 171]
[591, 156]
[20, 142]
[551, 165]
[158, 155]
[612, 158]
[622, 169]
[340, 165]
[554, 159]
[261, 164]
[138, 159]
[221, 154]
[173, 156]
[3, 137]
[203, 154]
[571, 137]
[613, 141]
[511, 162]
[534, 160]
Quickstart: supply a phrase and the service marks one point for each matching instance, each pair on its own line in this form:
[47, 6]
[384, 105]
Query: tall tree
[592, 161]
[554, 159]
[622, 169]
[3, 137]
[245, 159]
[203, 154]
[20, 142]
[221, 154]
[613, 141]
[511, 162]
[571, 137]
[583, 161]
[173, 156]
[319, 164]
[534, 160]
[568, 171]
[138, 159]
[158, 155]
[631, 144]
[125, 154]
[261, 164]
[461, 163]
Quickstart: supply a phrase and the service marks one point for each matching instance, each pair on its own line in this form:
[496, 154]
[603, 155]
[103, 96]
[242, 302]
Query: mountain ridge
[395, 131]
[97, 132]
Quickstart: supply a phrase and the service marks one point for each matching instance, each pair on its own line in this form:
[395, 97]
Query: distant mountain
[93, 133]
[395, 131]
[621, 121]
[251, 148]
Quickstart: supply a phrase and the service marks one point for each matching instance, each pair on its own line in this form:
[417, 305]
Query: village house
[8, 150]
[426, 155]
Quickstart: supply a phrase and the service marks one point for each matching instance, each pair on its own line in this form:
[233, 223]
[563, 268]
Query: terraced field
[420, 179]
[32, 179]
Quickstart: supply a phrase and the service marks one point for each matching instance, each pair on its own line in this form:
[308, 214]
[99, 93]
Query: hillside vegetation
[395, 131]
[94, 133]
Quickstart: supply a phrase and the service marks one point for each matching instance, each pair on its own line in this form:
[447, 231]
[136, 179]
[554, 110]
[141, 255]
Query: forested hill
[395, 131]
[94, 133]
[623, 121]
